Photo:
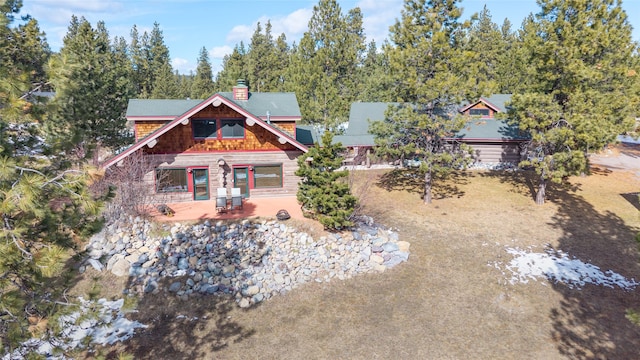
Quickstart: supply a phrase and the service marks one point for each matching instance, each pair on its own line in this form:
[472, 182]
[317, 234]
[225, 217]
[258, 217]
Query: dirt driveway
[619, 157]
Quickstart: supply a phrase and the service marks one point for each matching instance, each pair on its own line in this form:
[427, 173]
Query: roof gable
[497, 102]
[215, 100]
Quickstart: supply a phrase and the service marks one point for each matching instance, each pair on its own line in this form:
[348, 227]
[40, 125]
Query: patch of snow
[493, 166]
[195, 318]
[105, 325]
[628, 139]
[557, 266]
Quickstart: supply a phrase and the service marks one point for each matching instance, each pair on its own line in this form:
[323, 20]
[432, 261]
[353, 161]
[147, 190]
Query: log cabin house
[232, 139]
[494, 140]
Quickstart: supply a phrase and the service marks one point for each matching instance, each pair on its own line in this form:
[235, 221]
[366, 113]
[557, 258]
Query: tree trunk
[427, 187]
[542, 187]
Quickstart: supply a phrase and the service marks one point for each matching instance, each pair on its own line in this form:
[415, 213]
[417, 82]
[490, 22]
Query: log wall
[288, 160]
[496, 152]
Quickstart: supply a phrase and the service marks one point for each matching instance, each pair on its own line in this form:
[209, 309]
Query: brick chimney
[241, 91]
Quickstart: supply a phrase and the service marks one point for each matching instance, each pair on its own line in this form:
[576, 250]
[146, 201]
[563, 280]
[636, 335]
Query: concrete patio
[266, 207]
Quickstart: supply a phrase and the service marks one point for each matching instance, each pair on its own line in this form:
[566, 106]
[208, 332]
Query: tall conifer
[579, 98]
[431, 79]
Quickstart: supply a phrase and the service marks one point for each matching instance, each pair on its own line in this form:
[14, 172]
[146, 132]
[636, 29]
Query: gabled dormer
[487, 108]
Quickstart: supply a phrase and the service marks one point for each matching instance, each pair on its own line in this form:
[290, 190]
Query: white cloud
[378, 17]
[219, 52]
[183, 66]
[292, 25]
[59, 11]
[240, 33]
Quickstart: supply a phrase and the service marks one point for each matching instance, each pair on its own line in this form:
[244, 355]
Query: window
[481, 112]
[267, 176]
[171, 180]
[204, 128]
[232, 129]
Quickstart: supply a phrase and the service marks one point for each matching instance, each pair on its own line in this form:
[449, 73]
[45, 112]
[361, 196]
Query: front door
[241, 180]
[200, 184]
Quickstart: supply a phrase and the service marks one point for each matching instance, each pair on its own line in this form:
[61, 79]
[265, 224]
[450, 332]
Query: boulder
[120, 267]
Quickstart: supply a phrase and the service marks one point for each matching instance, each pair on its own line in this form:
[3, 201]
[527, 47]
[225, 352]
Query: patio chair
[236, 198]
[221, 200]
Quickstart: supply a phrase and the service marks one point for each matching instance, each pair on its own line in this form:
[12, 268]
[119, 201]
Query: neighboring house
[232, 139]
[493, 140]
[357, 139]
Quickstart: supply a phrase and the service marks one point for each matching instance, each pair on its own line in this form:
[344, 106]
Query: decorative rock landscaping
[250, 260]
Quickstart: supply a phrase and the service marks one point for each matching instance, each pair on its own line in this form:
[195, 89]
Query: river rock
[121, 267]
[249, 260]
[175, 287]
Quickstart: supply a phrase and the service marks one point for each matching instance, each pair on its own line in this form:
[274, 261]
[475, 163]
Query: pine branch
[15, 240]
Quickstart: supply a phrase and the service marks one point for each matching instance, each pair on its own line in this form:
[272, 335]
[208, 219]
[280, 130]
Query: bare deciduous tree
[134, 194]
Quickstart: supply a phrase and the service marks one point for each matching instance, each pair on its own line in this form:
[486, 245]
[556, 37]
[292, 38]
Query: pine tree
[185, 84]
[28, 51]
[323, 191]
[324, 66]
[428, 66]
[157, 55]
[140, 63]
[483, 48]
[579, 100]
[260, 59]
[43, 210]
[375, 82]
[150, 60]
[282, 58]
[234, 67]
[92, 90]
[513, 64]
[165, 85]
[203, 85]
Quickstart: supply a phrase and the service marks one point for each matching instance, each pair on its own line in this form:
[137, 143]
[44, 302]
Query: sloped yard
[453, 298]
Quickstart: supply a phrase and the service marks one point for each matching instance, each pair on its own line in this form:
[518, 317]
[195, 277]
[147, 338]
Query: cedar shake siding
[180, 139]
[143, 129]
[482, 110]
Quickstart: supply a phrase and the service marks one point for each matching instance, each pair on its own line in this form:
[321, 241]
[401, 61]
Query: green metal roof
[490, 129]
[277, 104]
[307, 134]
[362, 113]
[159, 107]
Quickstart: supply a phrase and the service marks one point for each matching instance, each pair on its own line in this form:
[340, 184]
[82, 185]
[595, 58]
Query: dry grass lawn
[446, 302]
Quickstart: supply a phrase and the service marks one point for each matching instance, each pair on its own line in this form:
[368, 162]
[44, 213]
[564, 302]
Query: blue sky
[219, 25]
